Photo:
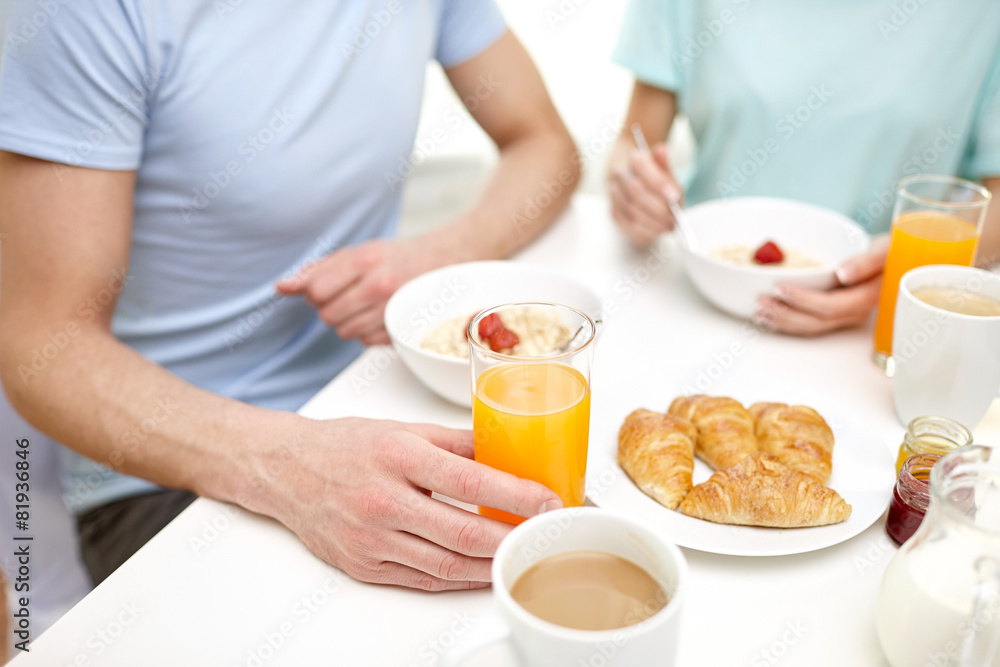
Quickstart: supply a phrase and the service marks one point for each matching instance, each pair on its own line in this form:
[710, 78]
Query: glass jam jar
[910, 497]
[932, 435]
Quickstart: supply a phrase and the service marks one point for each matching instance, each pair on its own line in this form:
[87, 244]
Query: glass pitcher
[939, 603]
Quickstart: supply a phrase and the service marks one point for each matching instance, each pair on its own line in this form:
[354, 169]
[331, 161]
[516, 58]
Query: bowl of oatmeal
[427, 318]
[748, 245]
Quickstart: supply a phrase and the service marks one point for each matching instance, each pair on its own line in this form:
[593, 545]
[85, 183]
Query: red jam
[910, 497]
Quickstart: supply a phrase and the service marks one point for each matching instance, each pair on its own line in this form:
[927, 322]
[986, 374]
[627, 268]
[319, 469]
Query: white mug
[946, 364]
[539, 643]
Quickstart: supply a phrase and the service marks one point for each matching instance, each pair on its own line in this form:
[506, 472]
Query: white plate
[863, 473]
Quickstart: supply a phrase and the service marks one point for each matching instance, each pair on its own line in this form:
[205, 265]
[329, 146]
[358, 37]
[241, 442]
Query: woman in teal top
[822, 101]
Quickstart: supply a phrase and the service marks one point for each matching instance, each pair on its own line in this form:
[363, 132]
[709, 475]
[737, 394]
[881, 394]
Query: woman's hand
[807, 312]
[641, 186]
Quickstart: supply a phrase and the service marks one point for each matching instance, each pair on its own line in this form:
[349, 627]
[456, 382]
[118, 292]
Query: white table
[220, 586]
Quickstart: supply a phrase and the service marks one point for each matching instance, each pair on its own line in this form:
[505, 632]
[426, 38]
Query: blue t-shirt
[826, 101]
[264, 135]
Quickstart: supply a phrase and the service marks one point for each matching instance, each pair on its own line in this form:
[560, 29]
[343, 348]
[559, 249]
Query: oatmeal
[539, 331]
[744, 254]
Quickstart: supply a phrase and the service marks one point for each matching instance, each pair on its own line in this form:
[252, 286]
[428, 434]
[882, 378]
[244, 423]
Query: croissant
[725, 428]
[657, 452]
[762, 491]
[797, 435]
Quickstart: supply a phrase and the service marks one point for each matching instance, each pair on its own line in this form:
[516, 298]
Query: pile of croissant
[771, 462]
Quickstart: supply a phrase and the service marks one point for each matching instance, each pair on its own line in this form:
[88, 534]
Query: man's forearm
[105, 401]
[530, 186]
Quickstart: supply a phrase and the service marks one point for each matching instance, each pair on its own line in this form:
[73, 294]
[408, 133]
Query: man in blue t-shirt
[197, 202]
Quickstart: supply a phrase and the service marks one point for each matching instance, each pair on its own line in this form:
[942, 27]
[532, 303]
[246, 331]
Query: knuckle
[634, 188]
[355, 545]
[426, 582]
[376, 505]
[382, 284]
[453, 567]
[469, 482]
[470, 536]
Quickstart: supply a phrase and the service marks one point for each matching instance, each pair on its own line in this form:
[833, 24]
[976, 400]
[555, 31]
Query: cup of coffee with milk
[586, 586]
[946, 343]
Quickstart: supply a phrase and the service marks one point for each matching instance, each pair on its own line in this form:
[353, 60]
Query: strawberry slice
[769, 253]
[489, 325]
[503, 340]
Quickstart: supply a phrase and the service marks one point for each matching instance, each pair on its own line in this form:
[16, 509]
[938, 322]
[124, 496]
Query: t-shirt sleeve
[983, 159]
[468, 27]
[649, 43]
[75, 81]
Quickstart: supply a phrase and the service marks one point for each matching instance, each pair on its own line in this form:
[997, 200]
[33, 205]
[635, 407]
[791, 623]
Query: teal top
[825, 101]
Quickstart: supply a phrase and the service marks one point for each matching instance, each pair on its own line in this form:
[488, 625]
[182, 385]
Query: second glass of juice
[531, 414]
[937, 220]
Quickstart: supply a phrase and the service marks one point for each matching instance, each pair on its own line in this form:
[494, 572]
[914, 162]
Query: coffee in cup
[589, 590]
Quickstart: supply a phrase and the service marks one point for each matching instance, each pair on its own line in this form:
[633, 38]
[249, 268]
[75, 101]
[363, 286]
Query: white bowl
[824, 235]
[465, 289]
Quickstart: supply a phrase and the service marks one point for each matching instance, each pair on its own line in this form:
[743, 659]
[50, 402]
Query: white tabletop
[220, 586]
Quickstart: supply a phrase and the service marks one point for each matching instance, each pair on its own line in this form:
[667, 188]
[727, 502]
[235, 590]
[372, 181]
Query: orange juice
[533, 421]
[920, 238]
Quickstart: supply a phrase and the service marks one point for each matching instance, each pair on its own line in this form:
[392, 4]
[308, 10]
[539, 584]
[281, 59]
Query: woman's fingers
[843, 303]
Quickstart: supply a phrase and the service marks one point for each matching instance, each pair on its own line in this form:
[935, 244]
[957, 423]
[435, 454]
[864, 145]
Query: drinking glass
[531, 414]
[936, 220]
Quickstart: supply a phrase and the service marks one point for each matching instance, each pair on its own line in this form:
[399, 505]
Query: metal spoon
[683, 225]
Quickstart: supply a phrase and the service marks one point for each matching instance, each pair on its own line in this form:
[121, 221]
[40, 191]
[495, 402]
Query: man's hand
[351, 286]
[357, 492]
[641, 187]
[806, 312]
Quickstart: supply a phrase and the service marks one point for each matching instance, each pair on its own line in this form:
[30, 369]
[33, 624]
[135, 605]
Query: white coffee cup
[539, 643]
[945, 364]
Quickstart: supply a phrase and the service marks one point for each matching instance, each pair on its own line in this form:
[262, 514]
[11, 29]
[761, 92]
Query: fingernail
[549, 505]
[780, 292]
[845, 274]
[764, 314]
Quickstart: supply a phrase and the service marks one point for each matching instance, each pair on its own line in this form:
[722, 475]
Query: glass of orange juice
[937, 220]
[531, 403]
